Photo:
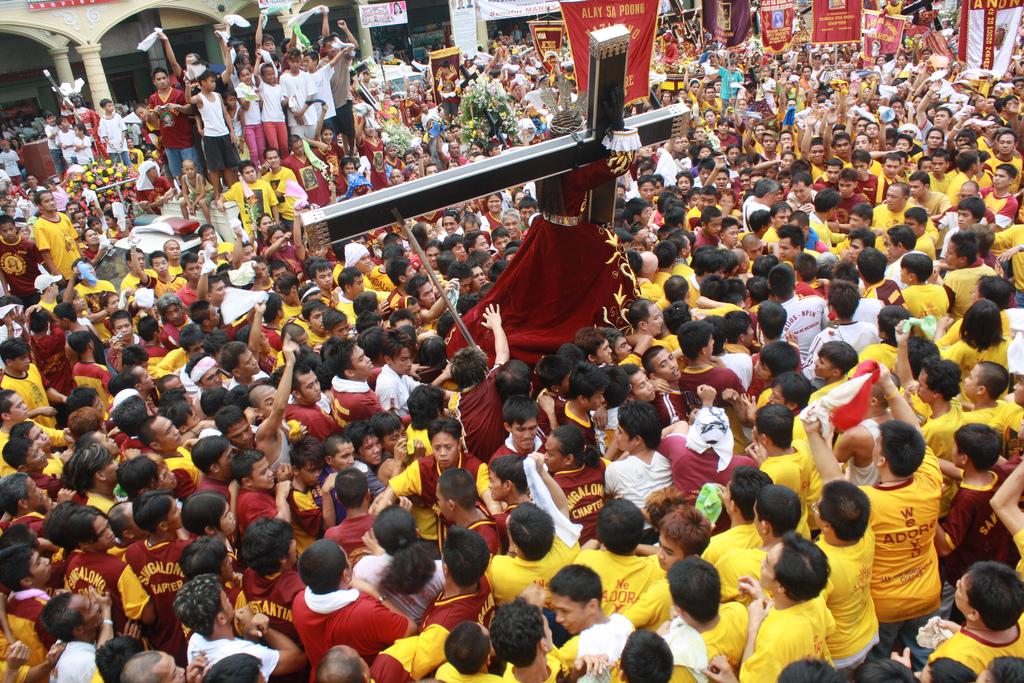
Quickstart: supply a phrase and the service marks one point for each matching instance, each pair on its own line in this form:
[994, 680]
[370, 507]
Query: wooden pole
[433, 278]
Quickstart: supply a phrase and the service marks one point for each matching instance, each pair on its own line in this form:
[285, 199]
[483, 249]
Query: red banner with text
[776, 24]
[641, 18]
[547, 38]
[836, 21]
[883, 33]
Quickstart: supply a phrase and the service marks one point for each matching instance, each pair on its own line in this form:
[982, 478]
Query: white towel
[236, 21]
[150, 40]
[301, 17]
[238, 302]
[565, 529]
[688, 649]
[330, 602]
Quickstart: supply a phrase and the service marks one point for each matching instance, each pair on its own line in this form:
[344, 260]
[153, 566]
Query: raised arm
[821, 449]
[556, 492]
[272, 423]
[1005, 501]
[492, 321]
[172, 61]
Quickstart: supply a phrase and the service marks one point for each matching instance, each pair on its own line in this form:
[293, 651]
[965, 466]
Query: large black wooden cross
[608, 48]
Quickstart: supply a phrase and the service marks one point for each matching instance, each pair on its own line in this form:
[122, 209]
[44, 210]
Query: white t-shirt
[83, 149]
[742, 364]
[216, 650]
[632, 479]
[298, 89]
[113, 132]
[66, 143]
[212, 111]
[322, 82]
[270, 103]
[859, 335]
[393, 390]
[867, 311]
[77, 664]
[9, 159]
[51, 143]
[805, 318]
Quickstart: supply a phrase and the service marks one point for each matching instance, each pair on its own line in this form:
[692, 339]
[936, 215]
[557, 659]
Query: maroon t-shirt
[352, 407]
[719, 378]
[366, 625]
[20, 264]
[480, 414]
[691, 470]
[160, 573]
[49, 356]
[349, 534]
[312, 180]
[974, 530]
[175, 128]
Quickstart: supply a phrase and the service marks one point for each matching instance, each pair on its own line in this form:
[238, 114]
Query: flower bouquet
[103, 177]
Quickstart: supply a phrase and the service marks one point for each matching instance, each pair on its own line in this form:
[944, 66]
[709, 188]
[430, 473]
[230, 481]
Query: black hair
[137, 475]
[532, 530]
[322, 564]
[467, 648]
[871, 263]
[840, 355]
[640, 419]
[883, 671]
[114, 655]
[459, 486]
[15, 565]
[465, 556]
[997, 593]
[771, 318]
[779, 506]
[59, 619]
[516, 630]
[510, 468]
[980, 443]
[619, 526]
[810, 671]
[579, 583]
[902, 446]
[779, 357]
[151, 508]
[411, 567]
[846, 508]
[802, 569]
[265, 544]
[646, 658]
[695, 587]
[205, 555]
[982, 325]
[202, 511]
[237, 668]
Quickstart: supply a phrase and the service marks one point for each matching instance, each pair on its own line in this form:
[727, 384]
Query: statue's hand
[619, 162]
[613, 107]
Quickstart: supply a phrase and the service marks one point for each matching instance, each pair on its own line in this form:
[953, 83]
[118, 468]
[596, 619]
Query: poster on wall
[548, 37]
[463, 14]
[776, 25]
[986, 34]
[383, 14]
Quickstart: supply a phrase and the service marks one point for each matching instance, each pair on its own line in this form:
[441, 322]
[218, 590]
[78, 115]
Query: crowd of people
[260, 460]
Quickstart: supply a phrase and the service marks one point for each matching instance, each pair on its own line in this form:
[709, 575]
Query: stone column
[62, 65]
[481, 33]
[95, 76]
[363, 36]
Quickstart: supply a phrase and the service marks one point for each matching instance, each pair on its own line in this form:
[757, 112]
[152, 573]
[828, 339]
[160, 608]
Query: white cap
[43, 281]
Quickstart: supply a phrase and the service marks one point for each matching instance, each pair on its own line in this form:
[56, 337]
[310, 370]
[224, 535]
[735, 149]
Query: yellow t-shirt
[652, 609]
[1018, 540]
[962, 282]
[881, 353]
[741, 536]
[30, 388]
[509, 575]
[624, 578]
[1005, 416]
[1013, 236]
[882, 218]
[277, 182]
[848, 595]
[923, 300]
[952, 335]
[736, 564]
[938, 436]
[261, 190]
[785, 472]
[61, 240]
[976, 653]
[935, 204]
[905, 576]
[91, 296]
[787, 636]
[966, 356]
[728, 638]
